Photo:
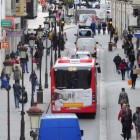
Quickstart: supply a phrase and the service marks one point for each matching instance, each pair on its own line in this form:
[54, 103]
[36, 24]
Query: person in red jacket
[119, 116]
[122, 67]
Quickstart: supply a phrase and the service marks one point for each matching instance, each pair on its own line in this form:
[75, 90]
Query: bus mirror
[82, 132]
[99, 69]
[96, 63]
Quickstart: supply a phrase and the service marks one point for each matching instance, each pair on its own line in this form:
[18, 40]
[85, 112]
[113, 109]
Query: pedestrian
[126, 45]
[123, 97]
[3, 75]
[26, 64]
[108, 27]
[120, 114]
[65, 38]
[132, 56]
[115, 40]
[16, 64]
[42, 4]
[138, 58]
[25, 100]
[19, 45]
[17, 75]
[16, 59]
[125, 33]
[99, 28]
[117, 60]
[136, 121]
[93, 27]
[37, 57]
[104, 27]
[127, 122]
[130, 48]
[33, 81]
[129, 36]
[112, 31]
[122, 67]
[12, 55]
[49, 43]
[128, 68]
[133, 77]
[16, 88]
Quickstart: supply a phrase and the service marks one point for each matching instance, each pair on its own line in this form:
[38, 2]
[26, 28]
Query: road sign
[76, 1]
[5, 45]
[6, 23]
[68, 1]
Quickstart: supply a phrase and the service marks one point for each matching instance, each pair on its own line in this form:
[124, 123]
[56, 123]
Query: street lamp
[34, 114]
[23, 51]
[47, 26]
[40, 90]
[32, 39]
[8, 64]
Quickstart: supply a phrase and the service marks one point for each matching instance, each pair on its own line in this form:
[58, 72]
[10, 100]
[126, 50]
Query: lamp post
[32, 39]
[40, 90]
[8, 64]
[59, 10]
[46, 25]
[34, 114]
[23, 51]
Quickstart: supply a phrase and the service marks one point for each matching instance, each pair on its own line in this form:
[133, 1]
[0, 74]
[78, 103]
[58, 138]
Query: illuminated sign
[5, 44]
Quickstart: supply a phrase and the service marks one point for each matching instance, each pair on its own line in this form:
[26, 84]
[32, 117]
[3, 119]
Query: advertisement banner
[5, 44]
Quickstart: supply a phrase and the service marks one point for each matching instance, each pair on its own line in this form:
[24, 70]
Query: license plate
[73, 107]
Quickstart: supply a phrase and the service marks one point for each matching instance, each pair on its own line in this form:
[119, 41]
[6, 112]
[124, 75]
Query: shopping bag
[119, 72]
[129, 82]
[34, 60]
[132, 127]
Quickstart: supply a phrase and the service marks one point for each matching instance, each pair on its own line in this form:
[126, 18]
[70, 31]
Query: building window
[13, 4]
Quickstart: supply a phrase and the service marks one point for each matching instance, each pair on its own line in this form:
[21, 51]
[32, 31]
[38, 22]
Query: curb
[71, 27]
[103, 100]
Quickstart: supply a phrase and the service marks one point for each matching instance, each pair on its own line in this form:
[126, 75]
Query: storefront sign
[76, 1]
[15, 33]
[5, 44]
[6, 23]
[12, 19]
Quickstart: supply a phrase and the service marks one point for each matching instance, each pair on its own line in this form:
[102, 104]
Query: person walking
[120, 116]
[25, 100]
[16, 64]
[17, 75]
[16, 88]
[122, 67]
[16, 59]
[133, 77]
[99, 28]
[138, 58]
[93, 27]
[128, 68]
[37, 57]
[117, 60]
[65, 38]
[26, 64]
[123, 97]
[115, 40]
[104, 27]
[125, 33]
[12, 55]
[132, 56]
[3, 75]
[34, 80]
[129, 36]
[127, 122]
[136, 121]
[126, 45]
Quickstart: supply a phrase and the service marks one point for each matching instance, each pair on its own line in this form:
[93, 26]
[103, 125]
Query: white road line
[103, 103]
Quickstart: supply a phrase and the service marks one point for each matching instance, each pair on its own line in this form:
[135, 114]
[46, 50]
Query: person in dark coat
[17, 88]
[37, 57]
[25, 99]
[117, 60]
[123, 97]
[104, 27]
[132, 56]
[93, 27]
[130, 48]
[26, 63]
[122, 67]
[126, 45]
[126, 121]
[133, 77]
[12, 55]
[129, 37]
[33, 80]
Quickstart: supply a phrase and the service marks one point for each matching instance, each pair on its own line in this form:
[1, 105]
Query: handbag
[119, 72]
[8, 87]
[34, 60]
[129, 82]
[122, 46]
[132, 127]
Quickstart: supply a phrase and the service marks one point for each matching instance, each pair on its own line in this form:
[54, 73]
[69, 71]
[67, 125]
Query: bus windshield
[79, 79]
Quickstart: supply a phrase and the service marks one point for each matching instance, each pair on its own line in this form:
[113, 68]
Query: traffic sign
[76, 1]
[68, 1]
[6, 23]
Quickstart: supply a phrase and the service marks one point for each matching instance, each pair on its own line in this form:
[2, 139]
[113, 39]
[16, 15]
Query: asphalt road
[87, 123]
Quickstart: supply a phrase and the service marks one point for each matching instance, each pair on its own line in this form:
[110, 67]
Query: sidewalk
[113, 85]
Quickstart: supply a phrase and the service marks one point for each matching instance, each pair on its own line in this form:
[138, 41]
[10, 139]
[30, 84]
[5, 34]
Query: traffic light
[110, 22]
[62, 22]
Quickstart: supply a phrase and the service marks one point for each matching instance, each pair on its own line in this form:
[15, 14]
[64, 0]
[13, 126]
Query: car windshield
[85, 33]
[79, 79]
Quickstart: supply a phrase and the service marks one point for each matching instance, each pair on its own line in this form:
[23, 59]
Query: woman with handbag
[126, 122]
[33, 80]
[25, 100]
[133, 77]
[122, 67]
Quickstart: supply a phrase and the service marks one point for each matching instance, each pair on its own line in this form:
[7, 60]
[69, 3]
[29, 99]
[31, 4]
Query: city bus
[74, 85]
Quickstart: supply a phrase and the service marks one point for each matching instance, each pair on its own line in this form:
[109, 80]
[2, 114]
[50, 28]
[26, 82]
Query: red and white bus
[74, 85]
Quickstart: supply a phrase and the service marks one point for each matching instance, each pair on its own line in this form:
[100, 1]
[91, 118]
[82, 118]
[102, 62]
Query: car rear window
[85, 33]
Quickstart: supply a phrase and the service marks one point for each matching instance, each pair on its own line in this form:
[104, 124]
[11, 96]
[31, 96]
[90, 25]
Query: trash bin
[109, 46]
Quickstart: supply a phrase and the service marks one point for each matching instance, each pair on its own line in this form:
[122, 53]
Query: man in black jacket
[26, 64]
[104, 27]
[37, 57]
[117, 60]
